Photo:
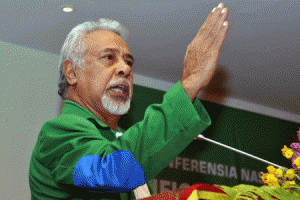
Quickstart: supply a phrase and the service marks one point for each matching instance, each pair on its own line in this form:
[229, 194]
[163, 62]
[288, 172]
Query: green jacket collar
[71, 107]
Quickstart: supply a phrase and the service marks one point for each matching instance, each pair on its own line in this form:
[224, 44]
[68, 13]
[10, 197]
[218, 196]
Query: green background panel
[256, 134]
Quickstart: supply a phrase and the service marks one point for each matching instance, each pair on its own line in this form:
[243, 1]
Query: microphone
[238, 151]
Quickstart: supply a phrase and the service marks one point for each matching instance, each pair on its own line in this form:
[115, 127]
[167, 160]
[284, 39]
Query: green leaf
[250, 192]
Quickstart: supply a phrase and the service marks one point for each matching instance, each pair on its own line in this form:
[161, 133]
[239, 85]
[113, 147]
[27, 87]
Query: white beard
[116, 107]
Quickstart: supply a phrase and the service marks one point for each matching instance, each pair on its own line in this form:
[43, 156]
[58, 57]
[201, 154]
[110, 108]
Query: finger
[218, 31]
[208, 37]
[221, 20]
[218, 25]
[210, 21]
[221, 37]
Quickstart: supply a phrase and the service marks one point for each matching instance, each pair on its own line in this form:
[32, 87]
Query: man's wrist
[190, 89]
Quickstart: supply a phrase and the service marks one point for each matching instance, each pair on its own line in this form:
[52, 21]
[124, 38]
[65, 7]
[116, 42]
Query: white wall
[28, 98]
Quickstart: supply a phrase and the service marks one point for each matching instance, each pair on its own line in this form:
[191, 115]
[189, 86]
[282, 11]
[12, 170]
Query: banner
[203, 162]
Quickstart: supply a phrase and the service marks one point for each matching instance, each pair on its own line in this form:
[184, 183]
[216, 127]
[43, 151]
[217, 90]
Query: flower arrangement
[287, 178]
[282, 183]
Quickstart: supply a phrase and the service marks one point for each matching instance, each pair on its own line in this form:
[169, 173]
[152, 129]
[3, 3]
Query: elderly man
[83, 154]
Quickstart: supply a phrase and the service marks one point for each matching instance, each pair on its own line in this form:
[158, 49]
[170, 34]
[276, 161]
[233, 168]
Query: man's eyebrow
[118, 51]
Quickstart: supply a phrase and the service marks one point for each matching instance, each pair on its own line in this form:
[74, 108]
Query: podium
[197, 191]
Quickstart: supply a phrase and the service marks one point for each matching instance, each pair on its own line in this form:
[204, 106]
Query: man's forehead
[104, 39]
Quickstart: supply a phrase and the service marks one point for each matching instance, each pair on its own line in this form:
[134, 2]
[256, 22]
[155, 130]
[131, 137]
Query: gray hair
[74, 47]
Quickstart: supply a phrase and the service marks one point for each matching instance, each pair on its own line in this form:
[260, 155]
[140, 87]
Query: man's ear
[69, 71]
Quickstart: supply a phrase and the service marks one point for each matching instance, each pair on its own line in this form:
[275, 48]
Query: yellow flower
[271, 177]
[290, 173]
[271, 169]
[297, 162]
[290, 182]
[288, 154]
[272, 180]
[279, 173]
[264, 177]
[284, 149]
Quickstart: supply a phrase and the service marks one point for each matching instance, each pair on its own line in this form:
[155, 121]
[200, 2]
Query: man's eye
[129, 63]
[108, 56]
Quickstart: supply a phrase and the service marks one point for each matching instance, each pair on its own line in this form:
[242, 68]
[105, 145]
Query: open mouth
[120, 90]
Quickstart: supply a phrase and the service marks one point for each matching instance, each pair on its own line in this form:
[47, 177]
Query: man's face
[106, 79]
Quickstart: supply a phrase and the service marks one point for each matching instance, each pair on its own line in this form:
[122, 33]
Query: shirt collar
[71, 107]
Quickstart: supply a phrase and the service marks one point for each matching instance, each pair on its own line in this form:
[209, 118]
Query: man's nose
[123, 69]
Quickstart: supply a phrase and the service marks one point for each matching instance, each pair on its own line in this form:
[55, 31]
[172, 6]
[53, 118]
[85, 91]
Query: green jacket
[77, 156]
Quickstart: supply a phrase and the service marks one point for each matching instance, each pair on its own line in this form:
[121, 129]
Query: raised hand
[203, 52]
